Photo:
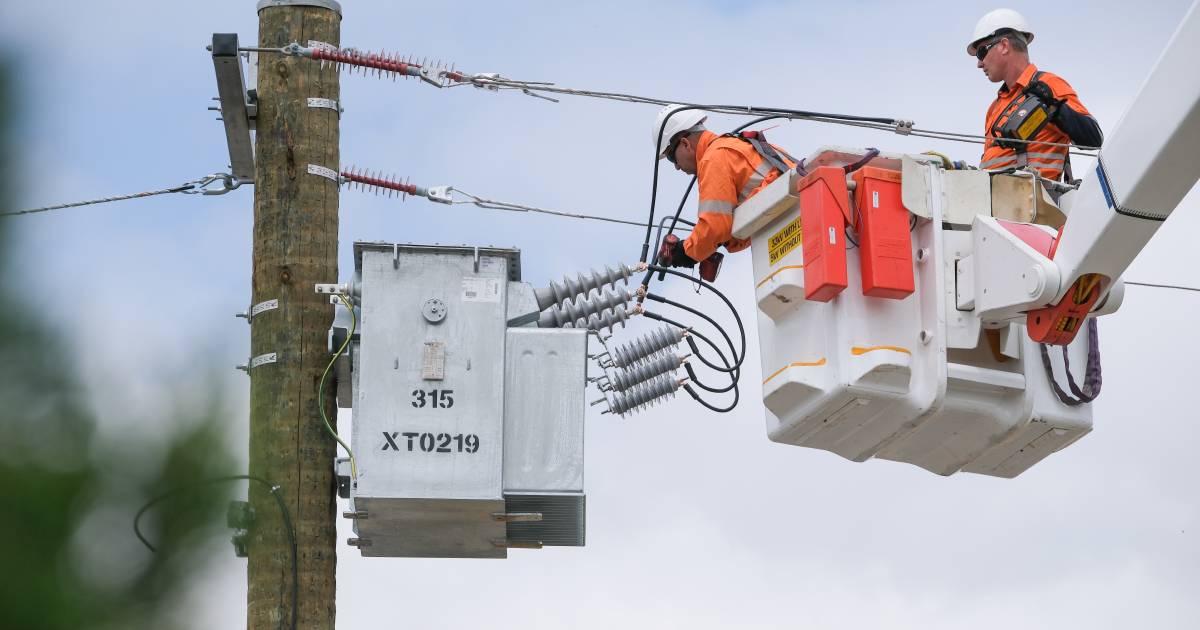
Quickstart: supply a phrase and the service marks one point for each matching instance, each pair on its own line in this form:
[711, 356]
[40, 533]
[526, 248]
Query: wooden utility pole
[295, 247]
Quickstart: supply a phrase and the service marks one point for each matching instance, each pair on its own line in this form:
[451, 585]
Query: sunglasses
[670, 155]
[982, 51]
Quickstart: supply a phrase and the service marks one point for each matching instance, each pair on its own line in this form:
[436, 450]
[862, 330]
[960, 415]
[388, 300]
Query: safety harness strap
[1092, 378]
[764, 149]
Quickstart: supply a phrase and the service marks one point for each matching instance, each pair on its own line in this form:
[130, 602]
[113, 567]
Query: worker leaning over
[1054, 115]
[729, 169]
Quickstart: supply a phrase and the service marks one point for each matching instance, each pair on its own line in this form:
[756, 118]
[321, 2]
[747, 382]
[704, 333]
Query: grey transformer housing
[467, 433]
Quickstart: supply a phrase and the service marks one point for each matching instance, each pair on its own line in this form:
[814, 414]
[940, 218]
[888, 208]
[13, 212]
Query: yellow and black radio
[1025, 116]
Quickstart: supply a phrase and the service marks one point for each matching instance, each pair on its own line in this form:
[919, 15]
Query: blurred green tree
[68, 498]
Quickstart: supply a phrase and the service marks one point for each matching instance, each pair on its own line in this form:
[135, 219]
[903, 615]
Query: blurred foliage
[69, 492]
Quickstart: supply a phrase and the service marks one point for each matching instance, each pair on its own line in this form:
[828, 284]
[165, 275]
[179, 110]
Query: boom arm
[1146, 167]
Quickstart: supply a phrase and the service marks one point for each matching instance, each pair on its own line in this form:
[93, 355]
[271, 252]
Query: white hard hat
[996, 21]
[679, 122]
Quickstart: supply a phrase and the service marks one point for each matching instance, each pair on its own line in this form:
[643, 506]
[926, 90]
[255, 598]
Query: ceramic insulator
[640, 396]
[646, 346]
[600, 321]
[625, 379]
[581, 284]
[582, 307]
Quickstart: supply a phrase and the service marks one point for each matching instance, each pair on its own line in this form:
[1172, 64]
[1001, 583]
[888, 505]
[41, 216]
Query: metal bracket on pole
[259, 361]
[325, 103]
[257, 309]
[238, 112]
[326, 172]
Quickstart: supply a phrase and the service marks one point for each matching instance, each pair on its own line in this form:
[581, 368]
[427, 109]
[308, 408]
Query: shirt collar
[1022, 81]
[706, 139]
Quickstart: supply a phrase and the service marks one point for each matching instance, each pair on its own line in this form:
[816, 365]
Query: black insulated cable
[283, 510]
[691, 372]
[736, 391]
[700, 355]
[739, 356]
[709, 406]
[669, 302]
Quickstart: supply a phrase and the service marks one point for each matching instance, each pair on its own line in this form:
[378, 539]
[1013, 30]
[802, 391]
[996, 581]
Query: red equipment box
[824, 210]
[885, 243]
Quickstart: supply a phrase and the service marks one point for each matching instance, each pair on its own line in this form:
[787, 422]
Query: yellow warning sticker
[1030, 125]
[784, 241]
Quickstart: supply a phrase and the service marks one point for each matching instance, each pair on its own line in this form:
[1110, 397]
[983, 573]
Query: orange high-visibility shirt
[1048, 159]
[729, 171]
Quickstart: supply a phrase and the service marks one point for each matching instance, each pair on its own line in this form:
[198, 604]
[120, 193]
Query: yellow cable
[321, 387]
[946, 161]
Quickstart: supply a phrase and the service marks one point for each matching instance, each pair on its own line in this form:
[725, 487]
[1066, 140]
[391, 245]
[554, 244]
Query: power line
[1163, 286]
[513, 207]
[386, 66]
[149, 193]
[199, 186]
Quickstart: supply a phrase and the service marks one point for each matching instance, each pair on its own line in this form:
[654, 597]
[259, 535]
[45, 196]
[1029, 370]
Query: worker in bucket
[1036, 113]
[729, 169]
[1035, 116]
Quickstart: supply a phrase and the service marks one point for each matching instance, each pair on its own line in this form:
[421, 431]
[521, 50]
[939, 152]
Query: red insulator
[376, 182]
[365, 60]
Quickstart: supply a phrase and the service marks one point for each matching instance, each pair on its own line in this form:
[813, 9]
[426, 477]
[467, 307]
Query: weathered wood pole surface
[295, 247]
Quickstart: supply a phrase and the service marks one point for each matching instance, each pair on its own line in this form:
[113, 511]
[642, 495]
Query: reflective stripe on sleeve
[719, 207]
[752, 183]
[760, 173]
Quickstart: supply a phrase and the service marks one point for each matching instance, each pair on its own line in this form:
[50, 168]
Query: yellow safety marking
[785, 240]
[764, 280]
[859, 350]
[796, 364]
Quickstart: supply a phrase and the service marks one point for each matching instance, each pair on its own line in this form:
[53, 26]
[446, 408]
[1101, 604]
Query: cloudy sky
[695, 520]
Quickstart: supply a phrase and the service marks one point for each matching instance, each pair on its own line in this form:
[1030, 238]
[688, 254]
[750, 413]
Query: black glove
[1045, 95]
[679, 257]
